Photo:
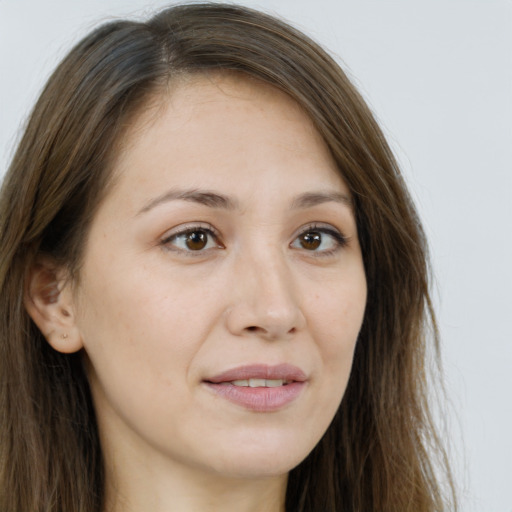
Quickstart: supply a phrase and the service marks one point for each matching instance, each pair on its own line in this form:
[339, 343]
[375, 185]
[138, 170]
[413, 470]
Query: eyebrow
[310, 199]
[204, 197]
[216, 200]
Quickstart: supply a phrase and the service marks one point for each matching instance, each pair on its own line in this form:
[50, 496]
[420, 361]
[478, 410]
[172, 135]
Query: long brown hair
[381, 452]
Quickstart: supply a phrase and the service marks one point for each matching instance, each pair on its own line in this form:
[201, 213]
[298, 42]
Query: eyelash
[188, 230]
[340, 240]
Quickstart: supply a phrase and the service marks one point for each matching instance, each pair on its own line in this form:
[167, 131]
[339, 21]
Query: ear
[50, 303]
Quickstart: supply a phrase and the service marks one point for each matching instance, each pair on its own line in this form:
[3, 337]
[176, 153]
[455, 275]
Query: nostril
[252, 328]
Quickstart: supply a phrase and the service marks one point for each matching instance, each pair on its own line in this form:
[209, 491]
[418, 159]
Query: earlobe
[49, 302]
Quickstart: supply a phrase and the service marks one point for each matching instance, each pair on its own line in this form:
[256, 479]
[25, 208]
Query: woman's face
[223, 288]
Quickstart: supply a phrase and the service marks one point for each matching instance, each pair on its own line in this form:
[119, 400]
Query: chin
[259, 459]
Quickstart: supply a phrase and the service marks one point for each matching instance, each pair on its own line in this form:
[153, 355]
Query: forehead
[204, 96]
[207, 128]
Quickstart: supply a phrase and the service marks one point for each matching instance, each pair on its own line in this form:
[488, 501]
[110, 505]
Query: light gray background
[438, 75]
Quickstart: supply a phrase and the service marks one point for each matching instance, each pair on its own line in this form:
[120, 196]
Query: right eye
[192, 239]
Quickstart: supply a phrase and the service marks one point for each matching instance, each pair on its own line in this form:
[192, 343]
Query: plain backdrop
[438, 76]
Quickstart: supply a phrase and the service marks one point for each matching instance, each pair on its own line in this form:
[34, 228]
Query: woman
[214, 283]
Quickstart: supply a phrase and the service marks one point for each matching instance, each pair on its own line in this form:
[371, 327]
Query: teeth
[274, 383]
[259, 383]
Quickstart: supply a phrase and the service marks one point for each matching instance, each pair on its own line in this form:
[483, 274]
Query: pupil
[196, 240]
[311, 240]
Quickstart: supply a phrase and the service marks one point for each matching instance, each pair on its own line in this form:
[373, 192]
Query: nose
[265, 299]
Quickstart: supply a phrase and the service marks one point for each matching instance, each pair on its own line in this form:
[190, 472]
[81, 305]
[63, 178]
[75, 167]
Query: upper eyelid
[189, 227]
[168, 240]
[186, 227]
[318, 226]
[340, 238]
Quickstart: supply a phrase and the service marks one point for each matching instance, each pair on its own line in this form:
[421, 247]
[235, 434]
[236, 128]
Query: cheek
[137, 299]
[141, 336]
[336, 316]
[135, 325]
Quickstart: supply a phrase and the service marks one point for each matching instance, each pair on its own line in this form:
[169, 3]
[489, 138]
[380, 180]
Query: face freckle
[238, 166]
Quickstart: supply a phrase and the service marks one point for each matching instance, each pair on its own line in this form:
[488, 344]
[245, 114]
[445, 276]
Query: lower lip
[260, 399]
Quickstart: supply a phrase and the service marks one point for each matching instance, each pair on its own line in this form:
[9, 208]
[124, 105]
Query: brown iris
[311, 240]
[196, 240]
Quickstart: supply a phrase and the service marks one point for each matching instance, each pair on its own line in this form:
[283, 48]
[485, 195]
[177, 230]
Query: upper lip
[284, 371]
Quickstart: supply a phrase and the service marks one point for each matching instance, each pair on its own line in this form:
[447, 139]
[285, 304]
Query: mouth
[259, 388]
[257, 383]
[257, 373]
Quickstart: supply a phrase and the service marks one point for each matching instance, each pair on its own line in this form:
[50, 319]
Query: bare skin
[228, 242]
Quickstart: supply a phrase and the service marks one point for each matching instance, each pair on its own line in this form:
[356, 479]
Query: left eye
[195, 239]
[319, 240]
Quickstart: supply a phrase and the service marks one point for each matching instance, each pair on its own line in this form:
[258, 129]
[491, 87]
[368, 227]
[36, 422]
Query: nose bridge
[273, 280]
[266, 299]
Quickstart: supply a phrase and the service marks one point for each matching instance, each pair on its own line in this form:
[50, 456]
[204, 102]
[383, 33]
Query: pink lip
[261, 371]
[260, 399]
